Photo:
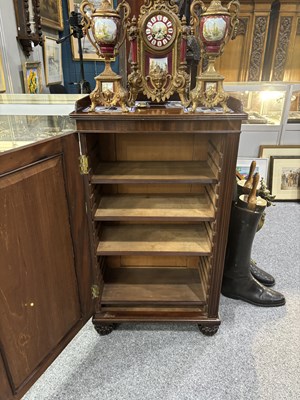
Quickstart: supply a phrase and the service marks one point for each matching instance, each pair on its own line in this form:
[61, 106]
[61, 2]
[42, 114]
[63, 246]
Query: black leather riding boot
[238, 282]
[262, 276]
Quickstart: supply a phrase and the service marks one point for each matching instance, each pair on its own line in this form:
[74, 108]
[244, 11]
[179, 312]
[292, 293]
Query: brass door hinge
[95, 291]
[83, 164]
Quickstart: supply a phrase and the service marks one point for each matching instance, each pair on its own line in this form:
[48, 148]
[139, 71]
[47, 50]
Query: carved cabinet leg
[104, 329]
[208, 330]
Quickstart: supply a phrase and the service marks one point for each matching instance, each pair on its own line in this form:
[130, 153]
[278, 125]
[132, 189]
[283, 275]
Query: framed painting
[52, 61]
[32, 77]
[285, 177]
[2, 79]
[88, 50]
[243, 166]
[51, 14]
[266, 151]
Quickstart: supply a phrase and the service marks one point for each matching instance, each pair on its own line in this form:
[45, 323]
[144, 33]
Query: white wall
[9, 47]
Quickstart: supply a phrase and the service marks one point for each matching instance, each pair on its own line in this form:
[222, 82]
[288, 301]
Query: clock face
[159, 31]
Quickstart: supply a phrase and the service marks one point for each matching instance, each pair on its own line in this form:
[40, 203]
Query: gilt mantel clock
[158, 52]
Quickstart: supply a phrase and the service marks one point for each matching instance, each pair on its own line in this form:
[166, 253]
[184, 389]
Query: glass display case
[294, 112]
[25, 119]
[264, 102]
[271, 107]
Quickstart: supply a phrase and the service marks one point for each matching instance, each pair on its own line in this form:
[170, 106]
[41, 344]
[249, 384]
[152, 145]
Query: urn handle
[233, 8]
[196, 5]
[87, 22]
[125, 23]
[86, 18]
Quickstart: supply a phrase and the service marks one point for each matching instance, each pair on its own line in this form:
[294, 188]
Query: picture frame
[243, 166]
[2, 78]
[52, 61]
[32, 77]
[51, 14]
[266, 151]
[285, 177]
[88, 50]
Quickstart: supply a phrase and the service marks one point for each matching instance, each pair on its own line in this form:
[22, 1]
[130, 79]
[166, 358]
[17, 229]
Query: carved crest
[168, 5]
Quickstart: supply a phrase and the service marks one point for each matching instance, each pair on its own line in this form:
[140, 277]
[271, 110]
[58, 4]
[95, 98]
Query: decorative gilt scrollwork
[158, 53]
[158, 46]
[214, 26]
[158, 81]
[105, 24]
[159, 5]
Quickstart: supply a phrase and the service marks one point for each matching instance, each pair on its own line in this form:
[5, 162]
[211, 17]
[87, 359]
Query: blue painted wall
[71, 68]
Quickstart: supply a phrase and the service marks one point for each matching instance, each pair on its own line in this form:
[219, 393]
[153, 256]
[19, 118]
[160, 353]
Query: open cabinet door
[45, 264]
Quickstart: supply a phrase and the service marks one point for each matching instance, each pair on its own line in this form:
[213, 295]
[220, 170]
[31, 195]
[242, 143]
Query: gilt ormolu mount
[158, 45]
[158, 53]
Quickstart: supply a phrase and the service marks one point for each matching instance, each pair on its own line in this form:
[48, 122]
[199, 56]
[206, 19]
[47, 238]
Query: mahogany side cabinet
[158, 185]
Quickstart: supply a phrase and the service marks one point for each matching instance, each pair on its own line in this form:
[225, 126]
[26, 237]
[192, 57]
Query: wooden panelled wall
[286, 55]
[243, 58]
[268, 43]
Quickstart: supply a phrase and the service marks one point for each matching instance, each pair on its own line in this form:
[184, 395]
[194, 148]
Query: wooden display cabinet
[159, 183]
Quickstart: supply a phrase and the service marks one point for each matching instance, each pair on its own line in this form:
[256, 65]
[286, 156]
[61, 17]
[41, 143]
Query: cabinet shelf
[156, 207]
[153, 172]
[154, 239]
[143, 285]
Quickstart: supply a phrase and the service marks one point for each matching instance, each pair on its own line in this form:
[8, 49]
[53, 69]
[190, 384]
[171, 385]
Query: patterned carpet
[254, 356]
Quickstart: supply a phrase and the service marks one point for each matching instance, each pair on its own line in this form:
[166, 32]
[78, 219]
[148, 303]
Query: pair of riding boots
[242, 279]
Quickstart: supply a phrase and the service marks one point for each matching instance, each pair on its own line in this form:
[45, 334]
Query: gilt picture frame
[285, 177]
[32, 77]
[52, 61]
[51, 14]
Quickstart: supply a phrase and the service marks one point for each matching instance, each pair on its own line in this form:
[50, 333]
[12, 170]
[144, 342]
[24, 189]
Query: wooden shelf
[154, 316]
[154, 239]
[142, 285]
[153, 172]
[156, 207]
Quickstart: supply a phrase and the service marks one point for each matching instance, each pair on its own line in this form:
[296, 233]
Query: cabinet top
[157, 114]
[145, 111]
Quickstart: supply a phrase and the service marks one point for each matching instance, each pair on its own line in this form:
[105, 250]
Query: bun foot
[104, 329]
[208, 330]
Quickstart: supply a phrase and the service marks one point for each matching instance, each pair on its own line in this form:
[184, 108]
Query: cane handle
[249, 181]
[252, 195]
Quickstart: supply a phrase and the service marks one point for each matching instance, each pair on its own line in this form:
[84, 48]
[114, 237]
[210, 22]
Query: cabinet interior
[154, 200]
